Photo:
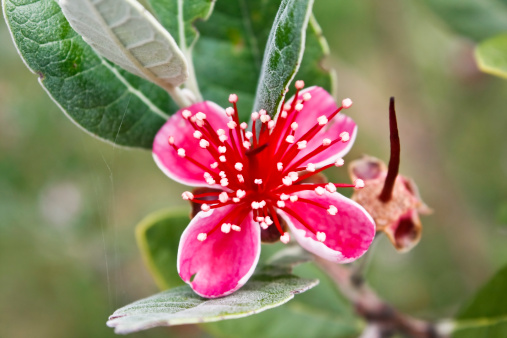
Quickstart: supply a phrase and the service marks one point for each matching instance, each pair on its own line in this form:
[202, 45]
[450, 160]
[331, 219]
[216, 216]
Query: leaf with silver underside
[126, 34]
[98, 96]
[283, 53]
[182, 306]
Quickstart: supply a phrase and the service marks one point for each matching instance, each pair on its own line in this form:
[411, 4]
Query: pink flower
[256, 178]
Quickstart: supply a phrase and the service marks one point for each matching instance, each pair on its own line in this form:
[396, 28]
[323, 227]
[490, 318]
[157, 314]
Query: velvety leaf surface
[476, 19]
[486, 314]
[234, 38]
[179, 17]
[283, 53]
[99, 97]
[125, 33]
[181, 305]
[318, 313]
[491, 55]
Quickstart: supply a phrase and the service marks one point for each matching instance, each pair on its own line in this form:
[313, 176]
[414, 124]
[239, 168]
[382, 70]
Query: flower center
[263, 169]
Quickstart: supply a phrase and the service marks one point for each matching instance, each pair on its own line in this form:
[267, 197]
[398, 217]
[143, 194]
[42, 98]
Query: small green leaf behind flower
[491, 55]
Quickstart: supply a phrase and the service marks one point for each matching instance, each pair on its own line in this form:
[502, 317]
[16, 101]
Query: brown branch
[373, 309]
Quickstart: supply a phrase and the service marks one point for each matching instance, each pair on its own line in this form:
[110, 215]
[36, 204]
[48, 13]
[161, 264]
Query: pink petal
[181, 169]
[349, 233]
[223, 262]
[322, 103]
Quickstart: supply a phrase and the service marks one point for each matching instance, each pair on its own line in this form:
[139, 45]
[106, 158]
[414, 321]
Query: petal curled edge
[322, 103]
[222, 263]
[166, 157]
[349, 233]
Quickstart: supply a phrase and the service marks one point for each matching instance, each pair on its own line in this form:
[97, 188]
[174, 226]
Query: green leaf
[101, 98]
[283, 53]
[181, 305]
[491, 55]
[158, 237]
[486, 314]
[234, 37]
[476, 19]
[318, 313]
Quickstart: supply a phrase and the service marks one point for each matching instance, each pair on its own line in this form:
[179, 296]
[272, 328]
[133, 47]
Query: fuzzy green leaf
[234, 37]
[283, 53]
[181, 305]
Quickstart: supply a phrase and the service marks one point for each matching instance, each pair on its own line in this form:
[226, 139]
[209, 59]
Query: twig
[376, 311]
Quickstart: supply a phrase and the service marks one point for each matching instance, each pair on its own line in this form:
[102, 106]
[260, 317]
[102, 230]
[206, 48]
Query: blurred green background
[69, 203]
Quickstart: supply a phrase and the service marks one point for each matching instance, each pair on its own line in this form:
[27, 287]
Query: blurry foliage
[67, 278]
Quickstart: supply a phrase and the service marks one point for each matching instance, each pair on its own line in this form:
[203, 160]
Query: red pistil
[394, 160]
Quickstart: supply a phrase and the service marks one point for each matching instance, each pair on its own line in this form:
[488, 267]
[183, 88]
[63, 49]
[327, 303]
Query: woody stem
[372, 308]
